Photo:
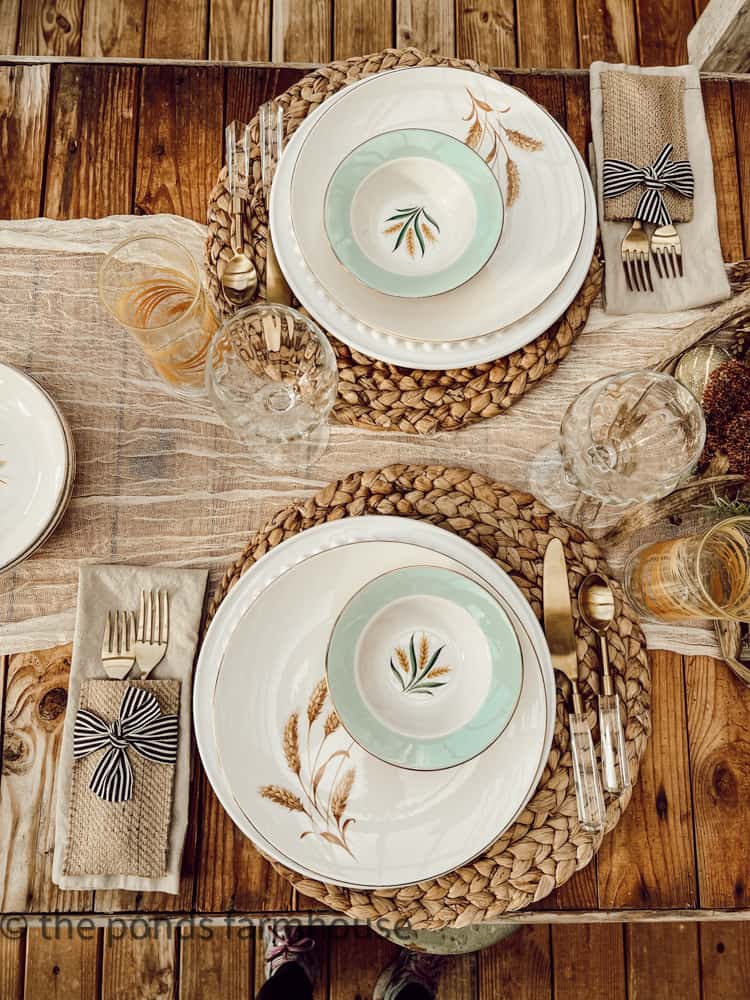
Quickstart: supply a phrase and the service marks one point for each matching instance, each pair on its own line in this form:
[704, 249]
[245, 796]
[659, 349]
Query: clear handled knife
[558, 626]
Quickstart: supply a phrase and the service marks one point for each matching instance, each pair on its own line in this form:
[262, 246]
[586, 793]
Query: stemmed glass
[626, 438]
[271, 375]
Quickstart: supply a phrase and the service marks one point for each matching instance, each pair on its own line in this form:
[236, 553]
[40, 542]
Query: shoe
[285, 942]
[410, 968]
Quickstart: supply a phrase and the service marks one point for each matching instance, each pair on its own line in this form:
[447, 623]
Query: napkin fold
[644, 114]
[148, 855]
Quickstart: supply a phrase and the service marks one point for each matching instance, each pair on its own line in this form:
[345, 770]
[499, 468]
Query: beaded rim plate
[330, 862]
[413, 212]
[424, 668]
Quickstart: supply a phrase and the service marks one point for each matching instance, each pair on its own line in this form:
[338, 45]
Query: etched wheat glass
[271, 375]
[626, 438]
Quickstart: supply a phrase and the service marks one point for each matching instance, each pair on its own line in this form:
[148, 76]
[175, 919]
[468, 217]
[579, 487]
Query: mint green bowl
[413, 212]
[424, 668]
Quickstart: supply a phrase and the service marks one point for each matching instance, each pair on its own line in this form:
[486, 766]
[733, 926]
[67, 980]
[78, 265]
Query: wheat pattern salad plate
[413, 212]
[280, 761]
[36, 465]
[424, 668]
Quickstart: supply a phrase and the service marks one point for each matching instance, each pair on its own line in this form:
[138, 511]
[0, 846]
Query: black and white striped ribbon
[619, 176]
[140, 726]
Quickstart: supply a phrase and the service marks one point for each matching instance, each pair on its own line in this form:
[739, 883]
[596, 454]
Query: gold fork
[635, 258]
[666, 246]
[118, 653]
[153, 630]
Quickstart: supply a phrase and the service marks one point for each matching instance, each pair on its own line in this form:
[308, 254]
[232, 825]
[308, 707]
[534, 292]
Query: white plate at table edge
[427, 355]
[340, 286]
[298, 549]
[66, 490]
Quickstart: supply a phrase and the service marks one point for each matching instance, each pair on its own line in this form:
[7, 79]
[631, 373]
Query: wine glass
[626, 438]
[272, 377]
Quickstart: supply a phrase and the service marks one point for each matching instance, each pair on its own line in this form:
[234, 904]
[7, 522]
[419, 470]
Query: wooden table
[80, 139]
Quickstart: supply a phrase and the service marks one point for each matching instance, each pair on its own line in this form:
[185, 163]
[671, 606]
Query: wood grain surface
[530, 33]
[683, 842]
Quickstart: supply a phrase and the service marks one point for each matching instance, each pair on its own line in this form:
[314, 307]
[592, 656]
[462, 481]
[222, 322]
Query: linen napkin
[655, 112]
[159, 845]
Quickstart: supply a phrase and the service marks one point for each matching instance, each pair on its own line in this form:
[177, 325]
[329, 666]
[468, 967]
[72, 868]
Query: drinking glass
[626, 438]
[699, 576]
[152, 286]
[271, 375]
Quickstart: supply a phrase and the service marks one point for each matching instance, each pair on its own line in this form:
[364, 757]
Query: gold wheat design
[341, 794]
[424, 651]
[331, 724]
[403, 660]
[291, 743]
[317, 700]
[282, 797]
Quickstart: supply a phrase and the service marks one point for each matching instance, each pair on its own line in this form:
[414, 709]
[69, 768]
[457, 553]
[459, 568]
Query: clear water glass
[271, 375]
[152, 286]
[626, 438]
[706, 575]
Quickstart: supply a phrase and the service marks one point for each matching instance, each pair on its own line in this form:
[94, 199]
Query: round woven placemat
[372, 394]
[546, 845]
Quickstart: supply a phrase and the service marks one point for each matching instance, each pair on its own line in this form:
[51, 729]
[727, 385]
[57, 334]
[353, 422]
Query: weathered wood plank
[92, 142]
[459, 979]
[725, 961]
[362, 26]
[718, 711]
[139, 966]
[606, 30]
[35, 702]
[519, 967]
[10, 15]
[357, 956]
[240, 30]
[430, 25]
[547, 33]
[12, 961]
[719, 41]
[486, 31]
[179, 139]
[50, 28]
[24, 93]
[113, 29]
[649, 858]
[247, 89]
[717, 99]
[219, 964]
[231, 875]
[741, 104]
[301, 31]
[176, 31]
[588, 961]
[62, 966]
[663, 961]
[663, 27]
[578, 111]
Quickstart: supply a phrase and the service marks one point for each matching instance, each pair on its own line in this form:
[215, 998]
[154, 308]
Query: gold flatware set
[596, 604]
[637, 251]
[144, 641]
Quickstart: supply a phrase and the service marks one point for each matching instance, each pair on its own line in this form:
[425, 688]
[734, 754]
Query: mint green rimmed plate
[413, 212]
[424, 668]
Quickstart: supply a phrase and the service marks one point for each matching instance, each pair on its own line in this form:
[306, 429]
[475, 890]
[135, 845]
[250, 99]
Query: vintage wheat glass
[271, 375]
[700, 576]
[152, 286]
[626, 438]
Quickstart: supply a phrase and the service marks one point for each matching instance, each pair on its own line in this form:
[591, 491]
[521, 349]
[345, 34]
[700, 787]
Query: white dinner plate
[543, 224]
[260, 676]
[378, 342]
[36, 466]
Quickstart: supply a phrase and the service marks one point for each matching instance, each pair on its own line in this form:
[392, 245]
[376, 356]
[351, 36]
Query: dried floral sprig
[724, 507]
[726, 401]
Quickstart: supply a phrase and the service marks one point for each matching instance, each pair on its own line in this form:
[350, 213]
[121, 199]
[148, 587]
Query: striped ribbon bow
[619, 176]
[141, 726]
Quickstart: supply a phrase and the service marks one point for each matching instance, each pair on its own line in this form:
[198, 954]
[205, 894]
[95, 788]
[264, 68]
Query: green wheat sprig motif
[417, 671]
[414, 226]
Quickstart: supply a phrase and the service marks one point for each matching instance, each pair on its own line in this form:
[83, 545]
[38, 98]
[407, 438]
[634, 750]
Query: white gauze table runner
[161, 480]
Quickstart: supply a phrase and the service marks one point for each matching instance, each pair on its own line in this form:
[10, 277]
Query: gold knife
[271, 126]
[558, 626]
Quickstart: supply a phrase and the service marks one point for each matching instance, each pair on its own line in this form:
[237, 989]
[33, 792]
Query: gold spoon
[238, 277]
[596, 602]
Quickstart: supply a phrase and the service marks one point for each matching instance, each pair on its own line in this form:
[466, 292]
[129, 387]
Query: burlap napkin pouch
[640, 115]
[121, 838]
[655, 121]
[134, 845]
